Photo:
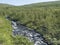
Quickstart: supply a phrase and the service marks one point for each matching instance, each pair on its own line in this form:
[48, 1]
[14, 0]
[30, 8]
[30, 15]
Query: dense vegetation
[6, 37]
[43, 17]
[5, 30]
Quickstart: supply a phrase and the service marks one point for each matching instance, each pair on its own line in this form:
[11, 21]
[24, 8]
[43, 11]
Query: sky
[22, 2]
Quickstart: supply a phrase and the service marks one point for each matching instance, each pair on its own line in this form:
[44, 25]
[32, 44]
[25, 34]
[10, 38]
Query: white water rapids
[30, 34]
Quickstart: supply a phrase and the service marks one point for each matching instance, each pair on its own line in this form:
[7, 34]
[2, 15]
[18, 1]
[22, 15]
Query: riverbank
[5, 31]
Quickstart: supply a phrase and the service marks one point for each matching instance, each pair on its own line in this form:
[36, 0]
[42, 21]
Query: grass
[6, 37]
[5, 31]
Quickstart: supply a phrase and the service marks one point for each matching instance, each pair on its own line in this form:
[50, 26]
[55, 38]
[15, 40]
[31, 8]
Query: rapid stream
[33, 36]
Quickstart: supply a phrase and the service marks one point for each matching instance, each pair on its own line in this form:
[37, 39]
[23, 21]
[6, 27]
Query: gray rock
[30, 34]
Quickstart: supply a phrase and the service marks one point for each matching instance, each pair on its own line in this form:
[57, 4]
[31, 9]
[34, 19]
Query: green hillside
[5, 5]
[44, 4]
[5, 31]
[43, 17]
[6, 37]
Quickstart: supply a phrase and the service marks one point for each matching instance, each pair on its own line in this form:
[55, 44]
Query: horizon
[23, 2]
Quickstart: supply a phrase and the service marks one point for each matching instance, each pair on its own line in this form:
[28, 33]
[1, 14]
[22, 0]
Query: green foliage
[5, 31]
[21, 40]
[44, 17]
[6, 37]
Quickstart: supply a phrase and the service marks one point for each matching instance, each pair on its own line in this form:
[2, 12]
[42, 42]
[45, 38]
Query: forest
[42, 17]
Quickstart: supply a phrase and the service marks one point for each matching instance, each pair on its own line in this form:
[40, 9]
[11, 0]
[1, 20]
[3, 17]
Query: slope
[43, 17]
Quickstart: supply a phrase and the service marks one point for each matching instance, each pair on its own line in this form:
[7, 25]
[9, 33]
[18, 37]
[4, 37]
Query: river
[32, 35]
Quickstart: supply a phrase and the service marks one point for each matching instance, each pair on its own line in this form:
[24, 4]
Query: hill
[5, 5]
[42, 17]
[43, 4]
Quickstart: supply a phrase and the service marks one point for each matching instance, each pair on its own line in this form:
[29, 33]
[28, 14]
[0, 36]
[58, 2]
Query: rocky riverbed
[32, 35]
